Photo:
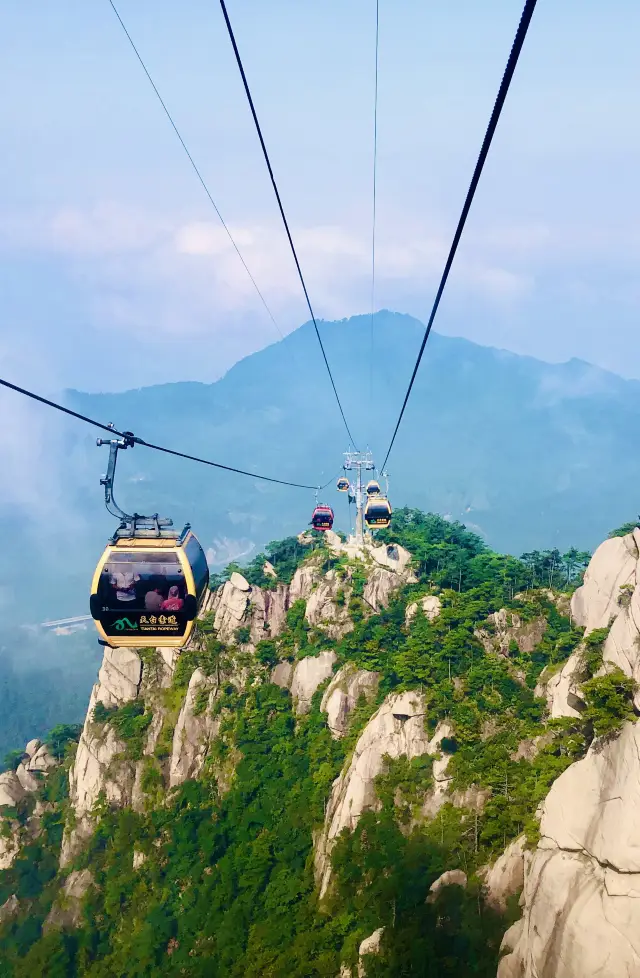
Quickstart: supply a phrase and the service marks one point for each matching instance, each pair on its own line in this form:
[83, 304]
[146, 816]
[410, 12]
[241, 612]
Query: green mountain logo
[123, 623]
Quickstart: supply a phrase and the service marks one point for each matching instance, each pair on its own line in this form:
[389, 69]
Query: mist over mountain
[530, 455]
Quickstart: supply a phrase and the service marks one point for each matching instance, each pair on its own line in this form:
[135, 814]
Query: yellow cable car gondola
[377, 512]
[373, 488]
[150, 580]
[342, 484]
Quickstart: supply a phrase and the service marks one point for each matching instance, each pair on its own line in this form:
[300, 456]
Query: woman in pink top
[174, 602]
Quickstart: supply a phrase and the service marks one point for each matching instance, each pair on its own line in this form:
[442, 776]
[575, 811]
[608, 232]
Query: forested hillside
[205, 835]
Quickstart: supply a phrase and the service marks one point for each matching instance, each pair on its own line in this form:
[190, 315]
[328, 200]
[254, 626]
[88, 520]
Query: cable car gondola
[150, 580]
[373, 488]
[342, 484]
[377, 512]
[322, 518]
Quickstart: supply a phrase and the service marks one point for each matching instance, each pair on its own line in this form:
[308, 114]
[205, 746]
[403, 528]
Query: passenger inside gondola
[153, 600]
[153, 582]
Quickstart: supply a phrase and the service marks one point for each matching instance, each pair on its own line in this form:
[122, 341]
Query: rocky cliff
[355, 764]
[581, 899]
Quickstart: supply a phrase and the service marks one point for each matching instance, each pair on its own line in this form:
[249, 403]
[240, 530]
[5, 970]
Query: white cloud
[125, 253]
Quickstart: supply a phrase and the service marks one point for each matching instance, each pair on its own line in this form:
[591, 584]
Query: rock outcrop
[562, 689]
[11, 791]
[229, 605]
[431, 606]
[581, 898]
[612, 567]
[610, 596]
[238, 604]
[437, 796]
[506, 877]
[67, 910]
[119, 677]
[323, 610]
[506, 627]
[343, 693]
[393, 731]
[15, 787]
[9, 842]
[9, 908]
[194, 731]
[452, 877]
[369, 946]
[308, 674]
[582, 888]
[102, 768]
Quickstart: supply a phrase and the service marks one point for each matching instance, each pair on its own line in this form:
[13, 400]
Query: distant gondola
[322, 518]
[377, 512]
[342, 484]
[373, 488]
[150, 580]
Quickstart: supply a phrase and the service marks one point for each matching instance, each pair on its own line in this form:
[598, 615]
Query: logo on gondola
[123, 623]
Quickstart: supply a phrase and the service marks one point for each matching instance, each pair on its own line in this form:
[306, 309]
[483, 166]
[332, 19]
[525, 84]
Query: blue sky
[114, 271]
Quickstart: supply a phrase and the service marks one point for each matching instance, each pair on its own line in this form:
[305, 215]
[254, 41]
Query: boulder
[41, 760]
[354, 791]
[370, 945]
[392, 556]
[32, 746]
[452, 877]
[307, 676]
[238, 581]
[28, 781]
[430, 604]
[343, 693]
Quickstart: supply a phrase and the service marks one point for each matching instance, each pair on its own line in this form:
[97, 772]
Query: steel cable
[158, 448]
[521, 34]
[281, 208]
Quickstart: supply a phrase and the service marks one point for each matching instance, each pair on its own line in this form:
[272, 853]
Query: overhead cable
[158, 448]
[521, 34]
[196, 169]
[282, 213]
[373, 222]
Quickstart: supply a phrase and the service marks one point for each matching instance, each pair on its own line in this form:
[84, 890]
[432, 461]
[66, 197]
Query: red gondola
[322, 518]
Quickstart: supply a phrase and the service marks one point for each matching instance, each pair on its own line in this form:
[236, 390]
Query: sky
[115, 271]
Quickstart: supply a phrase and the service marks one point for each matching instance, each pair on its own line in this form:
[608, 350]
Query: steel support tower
[356, 462]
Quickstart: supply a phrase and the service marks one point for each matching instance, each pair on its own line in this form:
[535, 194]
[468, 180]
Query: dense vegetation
[226, 887]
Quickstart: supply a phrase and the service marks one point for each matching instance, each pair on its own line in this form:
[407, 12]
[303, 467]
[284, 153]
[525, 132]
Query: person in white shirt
[124, 581]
